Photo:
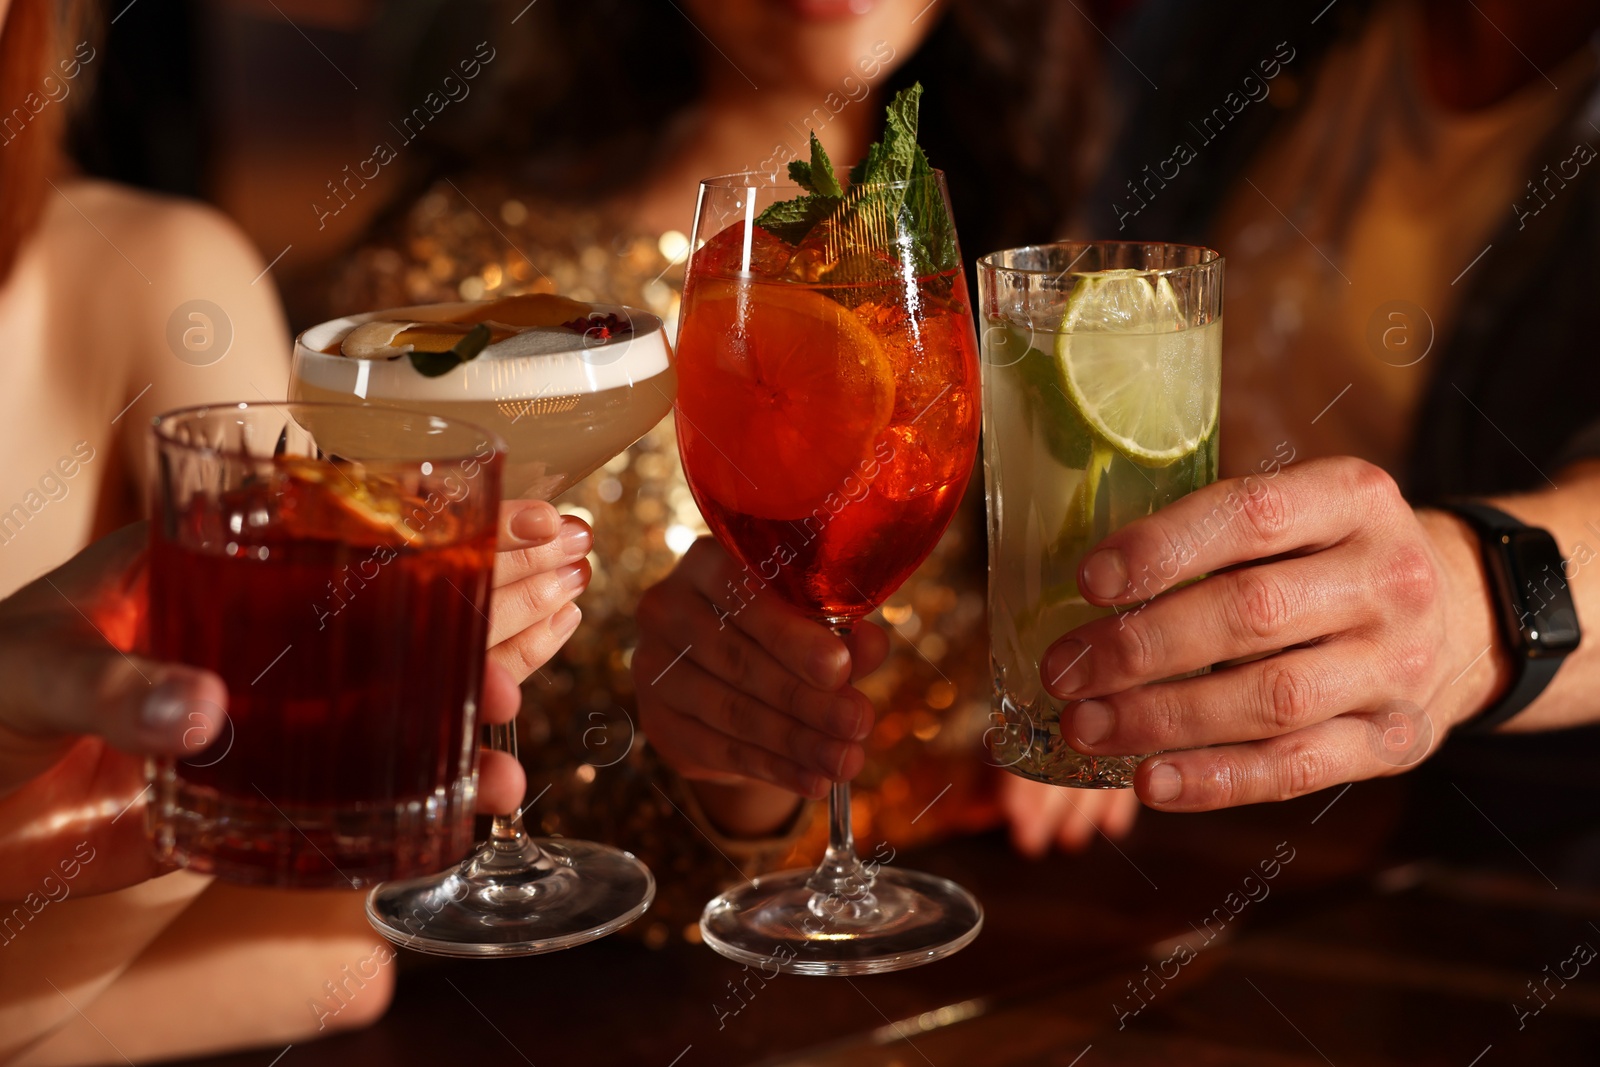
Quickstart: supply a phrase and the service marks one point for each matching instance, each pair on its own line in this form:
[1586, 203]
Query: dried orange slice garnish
[527, 311]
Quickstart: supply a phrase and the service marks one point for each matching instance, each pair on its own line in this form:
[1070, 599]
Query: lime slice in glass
[1139, 378]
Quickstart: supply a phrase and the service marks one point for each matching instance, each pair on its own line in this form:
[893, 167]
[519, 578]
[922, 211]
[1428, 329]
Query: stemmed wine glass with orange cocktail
[828, 422]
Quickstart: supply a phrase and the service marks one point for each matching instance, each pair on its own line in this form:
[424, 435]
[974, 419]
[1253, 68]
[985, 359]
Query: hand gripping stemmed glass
[828, 423]
[567, 386]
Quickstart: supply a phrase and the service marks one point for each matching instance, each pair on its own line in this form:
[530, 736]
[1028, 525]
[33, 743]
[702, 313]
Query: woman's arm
[208, 325]
[237, 968]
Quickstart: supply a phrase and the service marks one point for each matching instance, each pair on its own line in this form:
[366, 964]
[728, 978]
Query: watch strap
[1529, 675]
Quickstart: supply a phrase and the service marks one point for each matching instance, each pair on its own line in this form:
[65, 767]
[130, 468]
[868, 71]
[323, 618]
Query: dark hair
[588, 83]
[573, 87]
[1007, 113]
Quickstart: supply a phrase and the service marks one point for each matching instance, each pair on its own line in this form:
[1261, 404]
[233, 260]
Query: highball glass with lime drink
[1101, 375]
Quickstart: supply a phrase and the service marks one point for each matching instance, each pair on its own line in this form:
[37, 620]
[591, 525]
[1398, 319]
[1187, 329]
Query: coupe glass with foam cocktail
[341, 600]
[568, 386]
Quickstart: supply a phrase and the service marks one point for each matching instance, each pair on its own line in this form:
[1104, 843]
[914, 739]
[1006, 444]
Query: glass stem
[509, 852]
[507, 834]
[841, 885]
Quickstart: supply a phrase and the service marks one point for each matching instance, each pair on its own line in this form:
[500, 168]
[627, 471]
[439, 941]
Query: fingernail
[1105, 574]
[1066, 667]
[846, 720]
[824, 666]
[166, 708]
[535, 524]
[573, 577]
[813, 786]
[1091, 722]
[565, 620]
[1165, 783]
[576, 538]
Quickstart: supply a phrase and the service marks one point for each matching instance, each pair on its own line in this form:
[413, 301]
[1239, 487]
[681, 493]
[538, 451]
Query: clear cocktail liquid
[1056, 488]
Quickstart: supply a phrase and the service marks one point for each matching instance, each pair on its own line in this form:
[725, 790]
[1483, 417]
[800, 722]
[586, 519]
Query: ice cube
[724, 256]
[931, 348]
[931, 452]
[833, 254]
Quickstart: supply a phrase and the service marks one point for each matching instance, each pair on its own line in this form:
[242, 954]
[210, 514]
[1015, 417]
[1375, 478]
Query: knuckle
[1371, 482]
[1414, 659]
[767, 767]
[534, 597]
[1290, 698]
[1263, 605]
[1410, 579]
[1168, 552]
[794, 742]
[789, 693]
[734, 662]
[729, 706]
[525, 652]
[1162, 715]
[508, 566]
[1227, 783]
[1137, 647]
[1267, 514]
[1302, 769]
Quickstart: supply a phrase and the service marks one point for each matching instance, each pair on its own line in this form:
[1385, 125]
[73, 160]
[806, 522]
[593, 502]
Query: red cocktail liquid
[351, 638]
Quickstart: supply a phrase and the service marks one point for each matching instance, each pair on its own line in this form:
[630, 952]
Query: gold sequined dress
[926, 775]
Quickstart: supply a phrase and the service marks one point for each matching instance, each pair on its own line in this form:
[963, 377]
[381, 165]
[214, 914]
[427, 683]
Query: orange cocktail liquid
[827, 432]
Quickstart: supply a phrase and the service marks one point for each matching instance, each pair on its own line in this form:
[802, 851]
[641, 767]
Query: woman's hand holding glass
[734, 685]
[753, 693]
[80, 710]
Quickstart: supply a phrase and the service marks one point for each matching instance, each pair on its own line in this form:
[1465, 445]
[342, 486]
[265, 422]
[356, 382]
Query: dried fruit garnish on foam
[437, 348]
[528, 310]
[601, 327]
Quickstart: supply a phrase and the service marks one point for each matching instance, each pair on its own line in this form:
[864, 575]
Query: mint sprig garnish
[897, 158]
[817, 175]
[791, 220]
[469, 347]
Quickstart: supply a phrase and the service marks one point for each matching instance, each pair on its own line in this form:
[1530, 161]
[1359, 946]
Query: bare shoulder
[158, 240]
[152, 257]
[176, 299]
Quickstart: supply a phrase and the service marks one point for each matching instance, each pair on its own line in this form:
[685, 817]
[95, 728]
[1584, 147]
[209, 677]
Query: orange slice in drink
[366, 508]
[783, 391]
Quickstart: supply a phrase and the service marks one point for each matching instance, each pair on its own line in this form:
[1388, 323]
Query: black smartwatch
[1536, 615]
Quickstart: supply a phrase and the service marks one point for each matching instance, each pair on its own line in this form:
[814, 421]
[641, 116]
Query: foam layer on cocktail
[533, 362]
[566, 385]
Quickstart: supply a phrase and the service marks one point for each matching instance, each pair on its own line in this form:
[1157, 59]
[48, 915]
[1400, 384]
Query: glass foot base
[905, 919]
[547, 895]
[1086, 772]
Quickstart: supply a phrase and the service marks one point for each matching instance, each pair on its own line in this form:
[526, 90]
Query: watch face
[1547, 620]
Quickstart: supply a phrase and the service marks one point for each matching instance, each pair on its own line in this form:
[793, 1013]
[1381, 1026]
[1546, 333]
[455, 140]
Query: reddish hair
[28, 151]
